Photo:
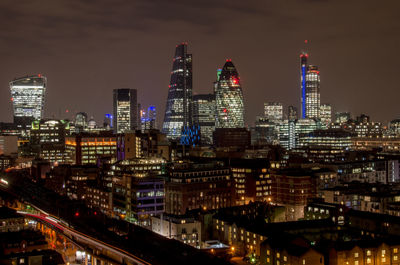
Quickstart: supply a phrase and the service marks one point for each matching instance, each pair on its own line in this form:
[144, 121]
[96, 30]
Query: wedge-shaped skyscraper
[178, 112]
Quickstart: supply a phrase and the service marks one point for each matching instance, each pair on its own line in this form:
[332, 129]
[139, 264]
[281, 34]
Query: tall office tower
[292, 113]
[273, 111]
[229, 98]
[148, 118]
[125, 110]
[204, 116]
[303, 72]
[178, 112]
[325, 114]
[27, 95]
[312, 92]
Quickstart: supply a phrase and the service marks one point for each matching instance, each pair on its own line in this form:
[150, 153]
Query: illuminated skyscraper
[312, 92]
[303, 71]
[125, 110]
[229, 98]
[204, 116]
[309, 84]
[178, 112]
[27, 95]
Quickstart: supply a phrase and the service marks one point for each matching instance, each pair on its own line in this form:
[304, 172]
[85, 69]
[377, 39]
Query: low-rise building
[87, 148]
[10, 220]
[183, 228]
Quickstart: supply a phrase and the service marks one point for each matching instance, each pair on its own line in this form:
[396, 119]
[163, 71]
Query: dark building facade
[193, 186]
[232, 137]
[204, 116]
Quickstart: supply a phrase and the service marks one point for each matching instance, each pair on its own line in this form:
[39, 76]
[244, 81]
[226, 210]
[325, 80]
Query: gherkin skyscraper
[229, 98]
[178, 112]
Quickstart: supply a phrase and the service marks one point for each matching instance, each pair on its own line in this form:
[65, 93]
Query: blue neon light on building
[303, 91]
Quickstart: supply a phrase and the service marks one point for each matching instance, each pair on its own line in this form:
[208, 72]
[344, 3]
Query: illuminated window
[368, 260]
[368, 252]
[356, 255]
[395, 250]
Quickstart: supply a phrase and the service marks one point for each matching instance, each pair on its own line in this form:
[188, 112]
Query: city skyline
[97, 71]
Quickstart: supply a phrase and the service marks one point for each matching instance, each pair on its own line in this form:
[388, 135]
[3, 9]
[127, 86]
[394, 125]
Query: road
[84, 238]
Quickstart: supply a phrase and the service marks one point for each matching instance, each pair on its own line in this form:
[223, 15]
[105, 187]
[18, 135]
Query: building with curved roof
[229, 98]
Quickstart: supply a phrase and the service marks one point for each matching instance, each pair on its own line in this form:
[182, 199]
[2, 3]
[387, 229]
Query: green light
[35, 125]
[219, 71]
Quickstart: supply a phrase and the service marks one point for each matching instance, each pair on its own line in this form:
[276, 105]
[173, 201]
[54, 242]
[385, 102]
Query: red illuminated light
[225, 110]
[76, 214]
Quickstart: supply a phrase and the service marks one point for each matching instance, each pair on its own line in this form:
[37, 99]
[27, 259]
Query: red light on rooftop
[235, 81]
[77, 214]
[12, 99]
[229, 60]
[39, 75]
[305, 41]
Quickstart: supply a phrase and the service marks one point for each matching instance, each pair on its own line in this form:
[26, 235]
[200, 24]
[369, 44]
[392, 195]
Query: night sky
[86, 48]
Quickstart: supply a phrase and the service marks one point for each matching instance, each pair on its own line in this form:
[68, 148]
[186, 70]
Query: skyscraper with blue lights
[303, 72]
